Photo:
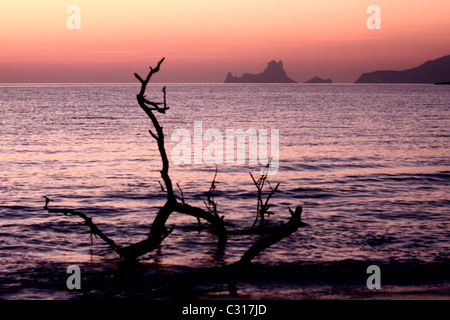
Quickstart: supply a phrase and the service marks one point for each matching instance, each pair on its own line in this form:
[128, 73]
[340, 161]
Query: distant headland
[319, 80]
[433, 71]
[274, 73]
[443, 83]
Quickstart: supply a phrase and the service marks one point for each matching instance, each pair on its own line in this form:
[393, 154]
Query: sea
[369, 164]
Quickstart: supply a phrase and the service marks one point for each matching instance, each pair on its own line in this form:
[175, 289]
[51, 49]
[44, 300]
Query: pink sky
[204, 39]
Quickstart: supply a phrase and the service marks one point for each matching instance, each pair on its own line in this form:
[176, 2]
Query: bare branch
[182, 195]
[262, 207]
[158, 231]
[139, 78]
[211, 204]
[159, 130]
[231, 273]
[215, 221]
[145, 82]
[153, 135]
[162, 187]
[88, 221]
[276, 235]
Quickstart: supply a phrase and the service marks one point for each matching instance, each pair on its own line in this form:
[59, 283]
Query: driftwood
[158, 231]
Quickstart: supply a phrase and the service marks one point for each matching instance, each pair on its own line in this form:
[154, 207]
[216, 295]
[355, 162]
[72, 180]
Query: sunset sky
[204, 39]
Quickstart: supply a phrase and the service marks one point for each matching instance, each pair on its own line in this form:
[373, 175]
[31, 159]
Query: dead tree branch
[262, 207]
[234, 272]
[158, 231]
[276, 235]
[210, 202]
[88, 221]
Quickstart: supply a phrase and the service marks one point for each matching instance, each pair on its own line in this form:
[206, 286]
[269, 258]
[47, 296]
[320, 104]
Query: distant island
[319, 80]
[433, 71]
[274, 73]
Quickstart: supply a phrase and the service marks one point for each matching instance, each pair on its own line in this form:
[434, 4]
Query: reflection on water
[369, 164]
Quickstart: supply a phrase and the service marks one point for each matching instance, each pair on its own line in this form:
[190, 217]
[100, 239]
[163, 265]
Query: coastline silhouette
[432, 71]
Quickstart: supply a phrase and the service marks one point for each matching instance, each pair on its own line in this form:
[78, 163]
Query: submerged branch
[215, 221]
[276, 235]
[88, 221]
[235, 272]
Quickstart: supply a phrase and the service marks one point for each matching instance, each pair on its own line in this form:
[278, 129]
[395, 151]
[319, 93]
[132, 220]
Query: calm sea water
[369, 164]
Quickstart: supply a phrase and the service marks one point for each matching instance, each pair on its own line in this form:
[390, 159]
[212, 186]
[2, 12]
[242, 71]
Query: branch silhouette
[158, 230]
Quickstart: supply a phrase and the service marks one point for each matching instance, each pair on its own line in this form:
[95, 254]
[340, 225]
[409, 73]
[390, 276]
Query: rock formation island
[319, 80]
[274, 73]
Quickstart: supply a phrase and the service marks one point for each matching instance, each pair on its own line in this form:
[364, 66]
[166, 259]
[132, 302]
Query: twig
[262, 207]
[87, 220]
[182, 195]
[211, 204]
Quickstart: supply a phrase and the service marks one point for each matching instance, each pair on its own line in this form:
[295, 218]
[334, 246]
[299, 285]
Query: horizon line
[195, 83]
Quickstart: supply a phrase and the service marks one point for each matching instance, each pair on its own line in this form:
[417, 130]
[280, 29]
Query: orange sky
[204, 39]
